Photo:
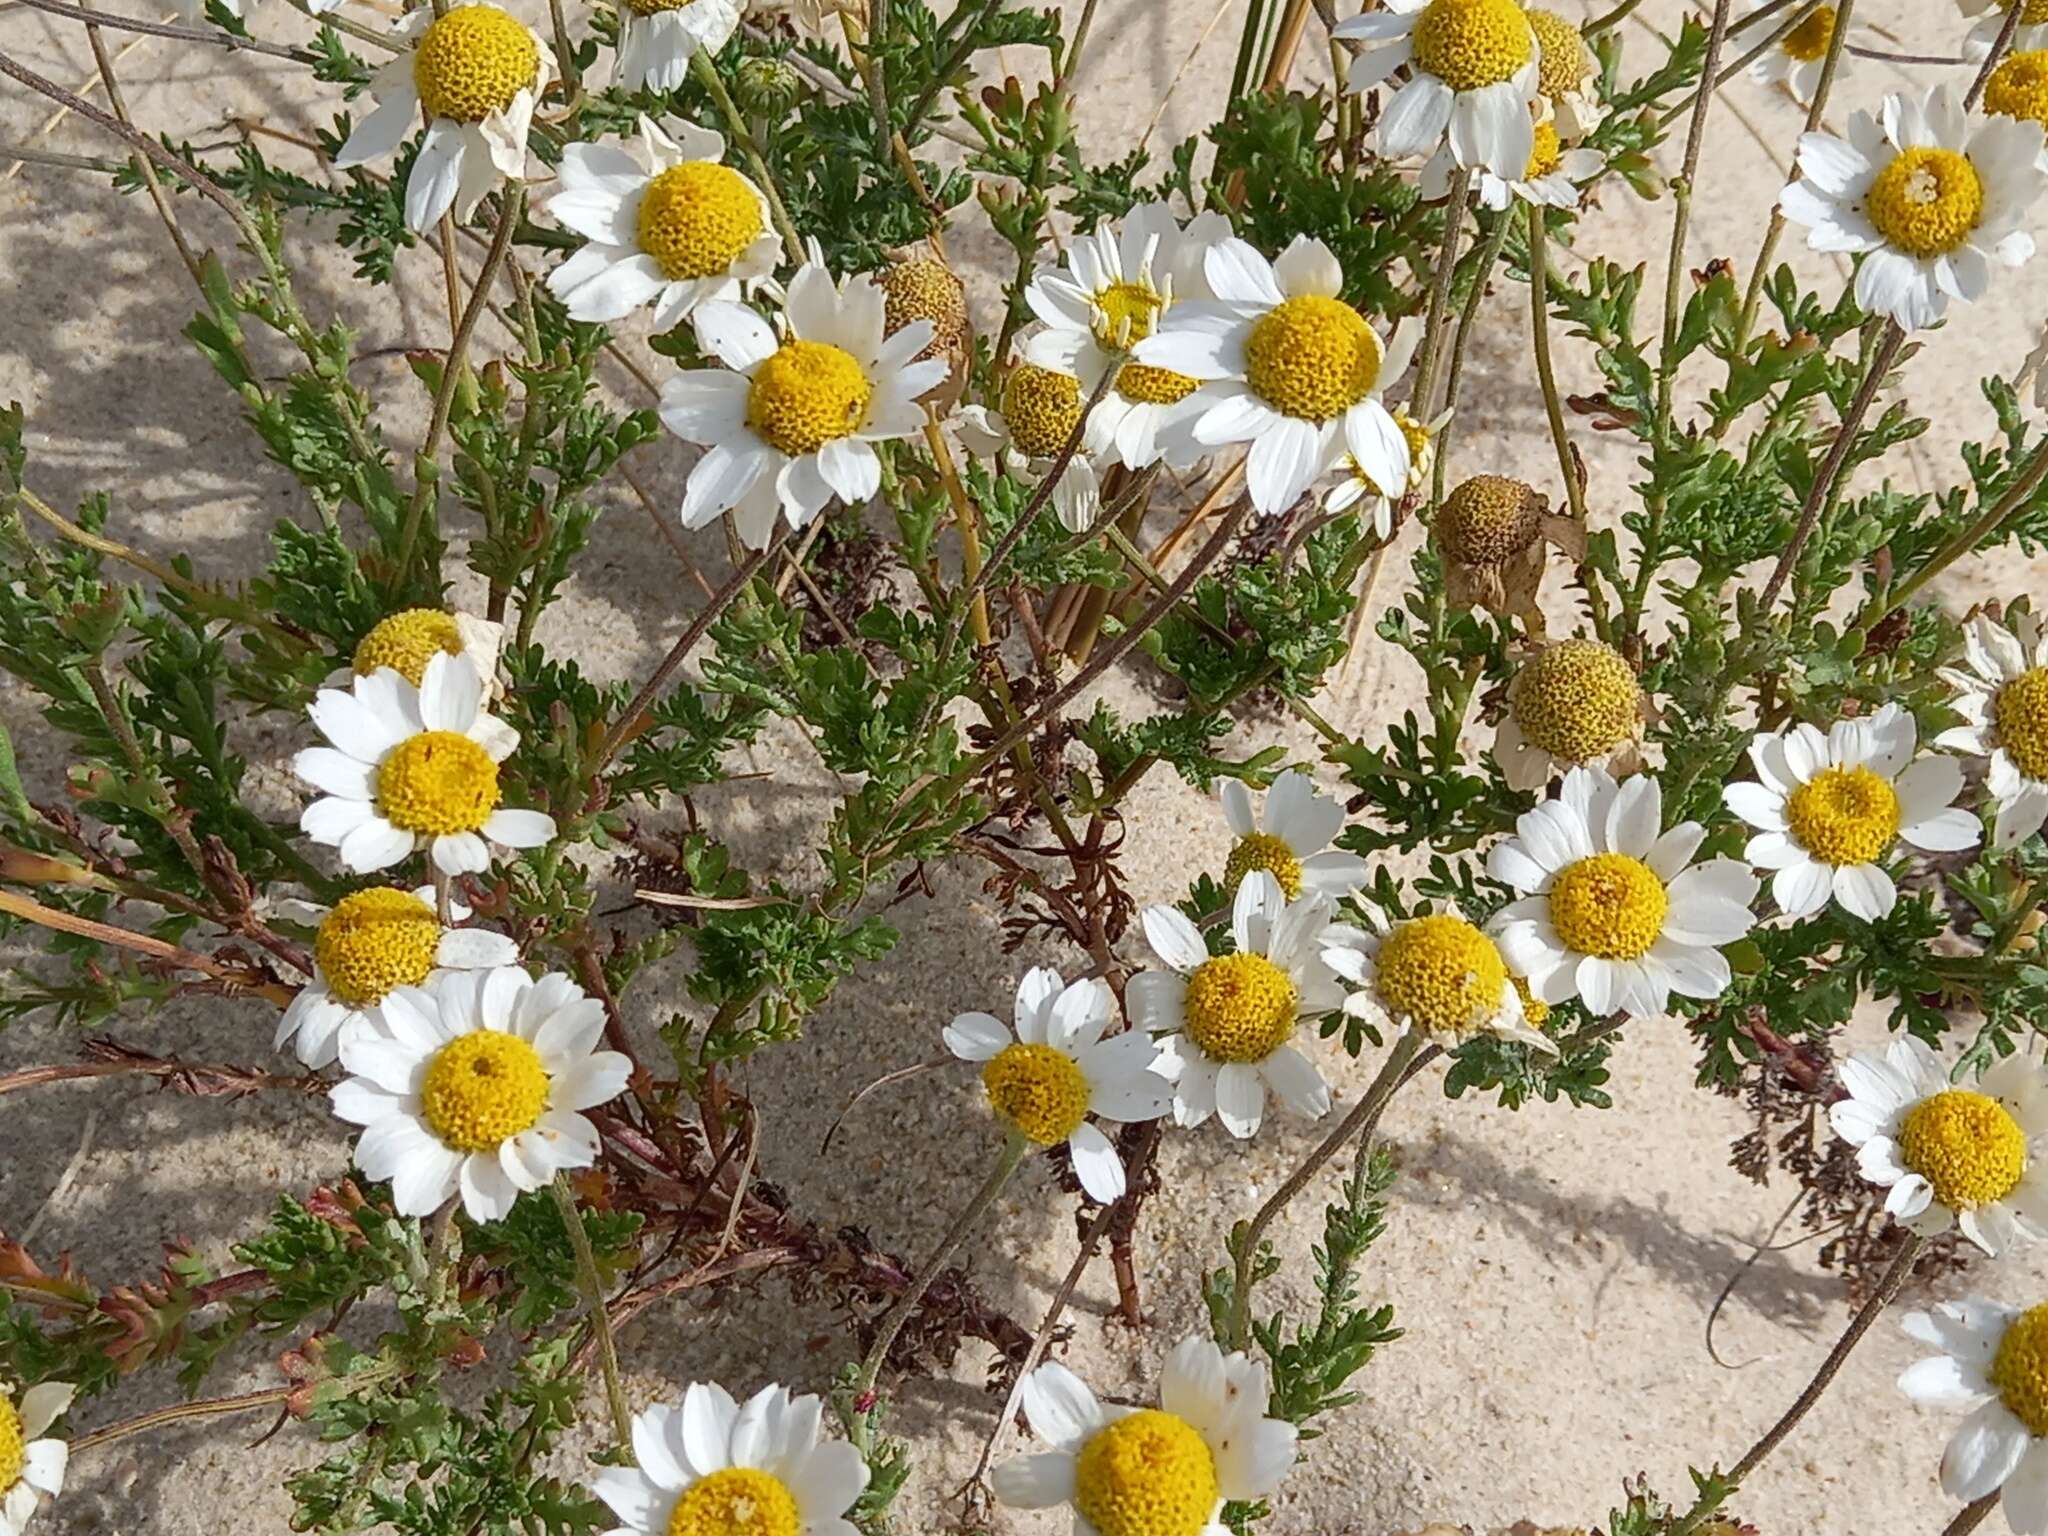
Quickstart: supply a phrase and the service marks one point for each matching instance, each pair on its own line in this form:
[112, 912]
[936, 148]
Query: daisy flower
[2001, 692]
[30, 1469]
[1165, 1471]
[1612, 910]
[2018, 89]
[407, 640]
[1951, 1157]
[669, 226]
[1571, 703]
[712, 1467]
[658, 38]
[371, 943]
[1551, 178]
[1058, 1070]
[1492, 534]
[475, 73]
[789, 422]
[1993, 1366]
[413, 768]
[1359, 489]
[1040, 409]
[1228, 1020]
[1567, 75]
[1293, 846]
[1437, 974]
[1289, 367]
[473, 1084]
[1828, 808]
[1795, 60]
[1472, 77]
[2031, 34]
[1929, 200]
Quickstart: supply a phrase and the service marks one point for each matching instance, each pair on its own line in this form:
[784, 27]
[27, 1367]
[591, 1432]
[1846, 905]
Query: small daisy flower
[473, 1086]
[407, 640]
[1359, 489]
[1472, 77]
[1289, 367]
[1567, 75]
[1993, 1366]
[1612, 910]
[1951, 1157]
[1165, 1471]
[410, 768]
[1571, 703]
[2018, 89]
[2002, 694]
[1294, 844]
[789, 421]
[1795, 60]
[475, 73]
[658, 38]
[1492, 533]
[31, 1469]
[1929, 200]
[1228, 1020]
[2031, 34]
[1040, 409]
[375, 941]
[1552, 177]
[1828, 808]
[1058, 1070]
[710, 1466]
[669, 226]
[1437, 974]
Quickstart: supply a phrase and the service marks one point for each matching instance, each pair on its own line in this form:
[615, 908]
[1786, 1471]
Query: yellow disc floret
[1240, 1007]
[1535, 1011]
[1038, 1090]
[2020, 1369]
[736, 1501]
[406, 642]
[1966, 1145]
[2035, 14]
[1577, 700]
[13, 1445]
[1147, 1474]
[1312, 357]
[1125, 314]
[1041, 408]
[1261, 850]
[1442, 974]
[1154, 386]
[1560, 54]
[1546, 152]
[437, 782]
[375, 940]
[697, 219]
[472, 62]
[809, 393]
[2019, 87]
[482, 1087]
[1844, 815]
[1488, 519]
[1608, 905]
[1471, 44]
[2020, 712]
[1927, 201]
[922, 289]
[1810, 39]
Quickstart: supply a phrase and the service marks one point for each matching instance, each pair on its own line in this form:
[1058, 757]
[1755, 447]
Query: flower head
[31, 1467]
[1993, 1366]
[1567, 75]
[473, 1085]
[1164, 1471]
[1551, 179]
[1492, 532]
[1473, 68]
[1828, 809]
[709, 1466]
[1359, 489]
[1057, 1070]
[2001, 692]
[1437, 974]
[2018, 87]
[667, 225]
[1929, 200]
[2031, 34]
[1573, 703]
[474, 72]
[1795, 60]
[1612, 909]
[1293, 843]
[921, 288]
[658, 38]
[1040, 410]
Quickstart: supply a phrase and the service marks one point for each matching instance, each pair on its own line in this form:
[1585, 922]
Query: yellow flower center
[375, 940]
[923, 289]
[1810, 39]
[437, 782]
[1966, 1145]
[807, 395]
[13, 1445]
[1038, 1090]
[1312, 357]
[1535, 1012]
[1125, 314]
[1844, 815]
[2020, 711]
[2019, 87]
[1442, 973]
[472, 62]
[1147, 1474]
[1577, 700]
[2035, 15]
[2020, 1369]
[1608, 905]
[1470, 44]
[1154, 386]
[1042, 408]
[1546, 152]
[738, 1501]
[697, 218]
[1260, 850]
[1926, 201]
[1488, 519]
[1240, 1007]
[1560, 54]
[1421, 450]
[481, 1088]
[406, 642]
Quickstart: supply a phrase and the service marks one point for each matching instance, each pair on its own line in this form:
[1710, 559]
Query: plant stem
[1970, 1516]
[204, 1408]
[1440, 293]
[1489, 256]
[1986, 524]
[592, 1287]
[1546, 371]
[707, 73]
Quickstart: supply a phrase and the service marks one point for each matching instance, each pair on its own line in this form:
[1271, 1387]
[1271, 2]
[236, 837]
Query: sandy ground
[1553, 1268]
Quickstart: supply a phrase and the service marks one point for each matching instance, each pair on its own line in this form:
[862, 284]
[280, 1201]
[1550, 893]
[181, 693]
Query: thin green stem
[1489, 256]
[1987, 523]
[592, 1288]
[1553, 404]
[1440, 293]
